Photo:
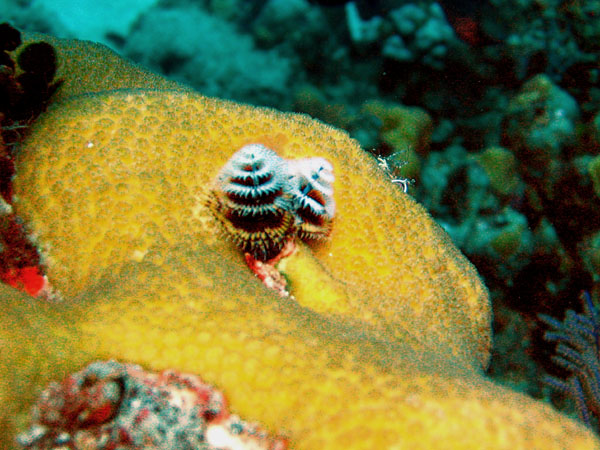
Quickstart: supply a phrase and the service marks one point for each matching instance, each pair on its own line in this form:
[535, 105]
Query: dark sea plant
[577, 350]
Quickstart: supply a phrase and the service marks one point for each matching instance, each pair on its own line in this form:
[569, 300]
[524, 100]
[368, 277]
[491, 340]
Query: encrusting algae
[382, 343]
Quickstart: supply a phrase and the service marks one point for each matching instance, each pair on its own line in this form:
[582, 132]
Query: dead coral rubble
[109, 405]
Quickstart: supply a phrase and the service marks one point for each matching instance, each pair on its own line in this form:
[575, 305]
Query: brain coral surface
[381, 345]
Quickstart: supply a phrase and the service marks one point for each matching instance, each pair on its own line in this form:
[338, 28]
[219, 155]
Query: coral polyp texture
[382, 345]
[109, 405]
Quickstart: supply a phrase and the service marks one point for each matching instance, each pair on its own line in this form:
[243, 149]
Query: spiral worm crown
[252, 203]
[262, 200]
[311, 184]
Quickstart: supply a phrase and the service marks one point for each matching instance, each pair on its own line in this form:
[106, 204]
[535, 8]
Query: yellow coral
[86, 67]
[381, 347]
[124, 168]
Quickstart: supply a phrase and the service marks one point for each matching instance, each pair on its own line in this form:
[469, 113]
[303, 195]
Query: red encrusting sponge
[27, 279]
